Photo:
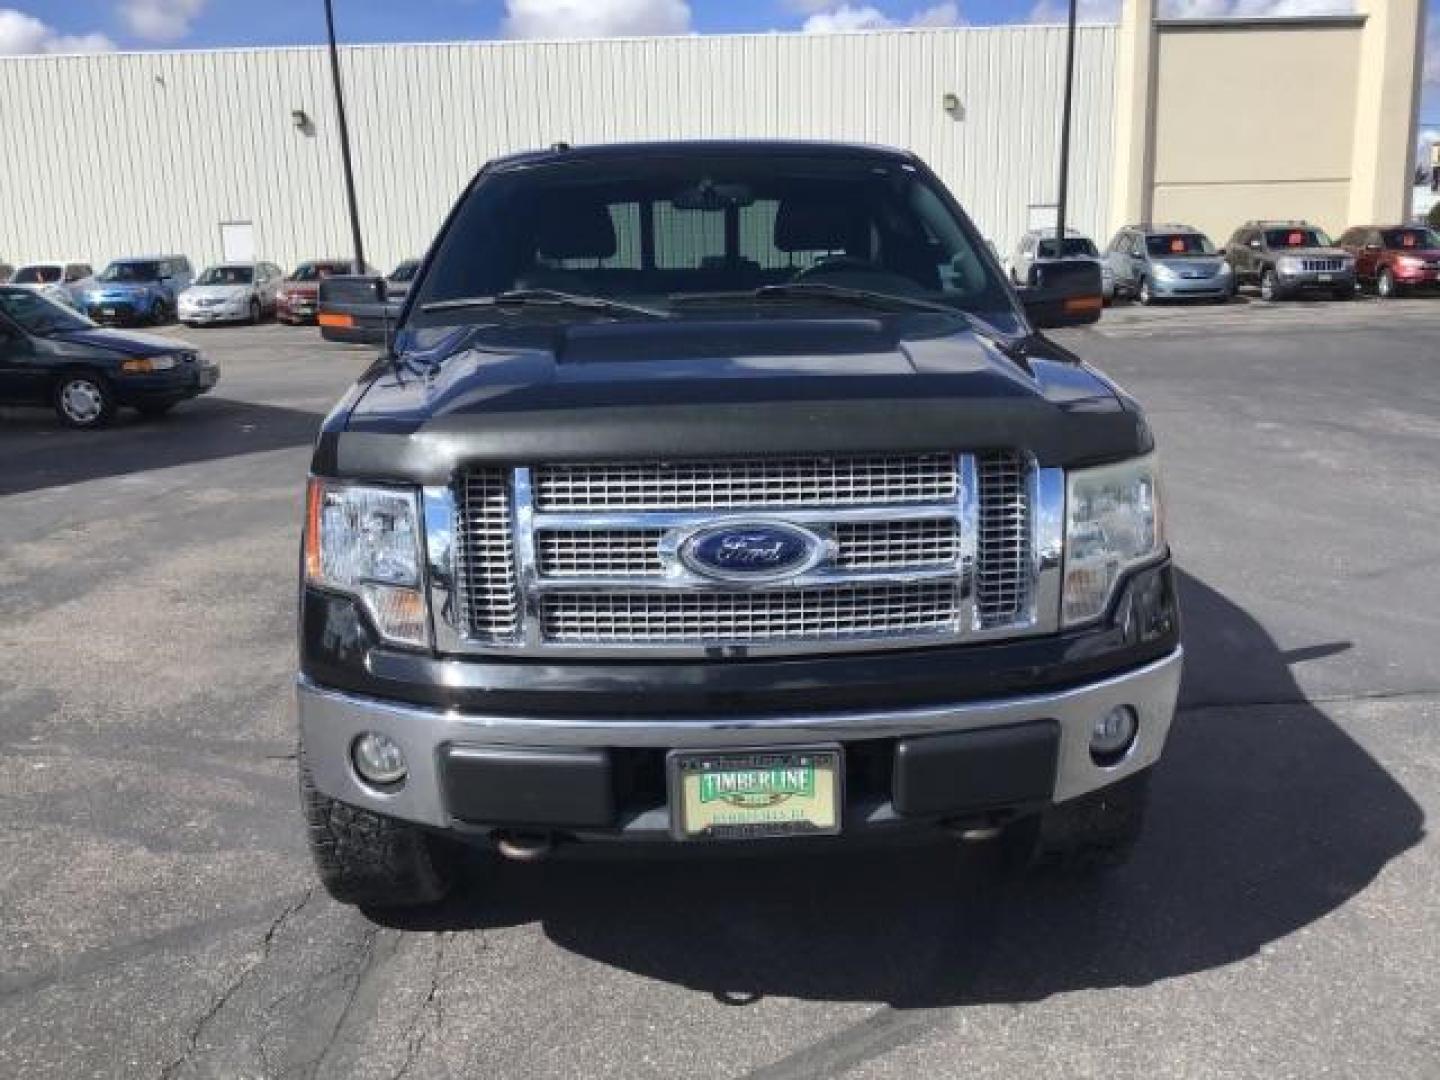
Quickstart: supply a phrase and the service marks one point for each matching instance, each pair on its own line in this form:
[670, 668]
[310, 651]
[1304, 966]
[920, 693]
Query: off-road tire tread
[367, 859]
[1091, 833]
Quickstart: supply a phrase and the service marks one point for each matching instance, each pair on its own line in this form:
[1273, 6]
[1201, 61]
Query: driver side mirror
[1064, 294]
[1254, 244]
[355, 309]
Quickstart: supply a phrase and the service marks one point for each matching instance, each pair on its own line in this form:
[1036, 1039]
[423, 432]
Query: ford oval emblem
[751, 550]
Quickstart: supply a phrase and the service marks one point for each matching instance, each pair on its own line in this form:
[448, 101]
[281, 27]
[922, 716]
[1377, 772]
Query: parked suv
[724, 494]
[63, 280]
[1167, 262]
[142, 289]
[1286, 258]
[299, 293]
[231, 292]
[1039, 246]
[1394, 259]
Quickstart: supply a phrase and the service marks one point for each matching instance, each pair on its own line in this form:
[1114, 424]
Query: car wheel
[1269, 286]
[365, 858]
[254, 312]
[1385, 285]
[83, 400]
[159, 314]
[1093, 832]
[1145, 296]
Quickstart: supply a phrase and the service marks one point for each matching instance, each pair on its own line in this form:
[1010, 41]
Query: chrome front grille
[486, 599]
[746, 485]
[911, 549]
[1002, 580]
[1322, 266]
[752, 618]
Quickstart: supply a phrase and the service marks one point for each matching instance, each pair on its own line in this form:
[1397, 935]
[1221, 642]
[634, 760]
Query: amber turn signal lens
[1083, 305]
[331, 318]
[314, 498]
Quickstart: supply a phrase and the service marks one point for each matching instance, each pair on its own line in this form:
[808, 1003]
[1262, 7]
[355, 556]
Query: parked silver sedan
[231, 292]
[1043, 246]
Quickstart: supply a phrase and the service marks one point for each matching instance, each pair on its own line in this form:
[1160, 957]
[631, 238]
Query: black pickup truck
[724, 494]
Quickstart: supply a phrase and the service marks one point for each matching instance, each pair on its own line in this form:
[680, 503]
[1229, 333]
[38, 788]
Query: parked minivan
[1168, 262]
[139, 289]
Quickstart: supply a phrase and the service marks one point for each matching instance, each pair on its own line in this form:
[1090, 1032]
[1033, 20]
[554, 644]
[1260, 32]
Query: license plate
[1327, 277]
[752, 794]
[107, 311]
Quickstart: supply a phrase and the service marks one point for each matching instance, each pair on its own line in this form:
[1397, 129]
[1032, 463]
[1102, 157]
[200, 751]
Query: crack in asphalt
[368, 961]
[192, 1039]
[415, 1035]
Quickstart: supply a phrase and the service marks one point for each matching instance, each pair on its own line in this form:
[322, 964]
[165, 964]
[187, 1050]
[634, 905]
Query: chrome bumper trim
[330, 721]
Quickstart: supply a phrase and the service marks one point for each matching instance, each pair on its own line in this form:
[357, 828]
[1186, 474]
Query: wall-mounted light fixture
[300, 118]
[952, 106]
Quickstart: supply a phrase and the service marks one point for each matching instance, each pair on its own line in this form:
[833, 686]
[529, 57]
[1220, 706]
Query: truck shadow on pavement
[39, 452]
[1265, 817]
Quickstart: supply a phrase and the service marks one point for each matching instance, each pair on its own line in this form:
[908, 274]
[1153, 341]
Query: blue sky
[81, 25]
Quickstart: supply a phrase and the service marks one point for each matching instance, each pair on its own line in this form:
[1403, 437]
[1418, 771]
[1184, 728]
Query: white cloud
[1058, 11]
[22, 34]
[160, 20]
[847, 18]
[595, 18]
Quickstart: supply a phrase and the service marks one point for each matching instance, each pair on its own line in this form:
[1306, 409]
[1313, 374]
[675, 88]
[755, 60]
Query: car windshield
[700, 231]
[131, 271]
[1168, 245]
[227, 275]
[36, 275]
[38, 314]
[1076, 247]
[1296, 238]
[1411, 239]
[405, 271]
[316, 271]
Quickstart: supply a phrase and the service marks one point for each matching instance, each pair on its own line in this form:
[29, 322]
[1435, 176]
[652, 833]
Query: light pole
[359, 267]
[1063, 206]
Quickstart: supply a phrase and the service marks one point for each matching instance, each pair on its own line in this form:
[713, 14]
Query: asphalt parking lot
[158, 916]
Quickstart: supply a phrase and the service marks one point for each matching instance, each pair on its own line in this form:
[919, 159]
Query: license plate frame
[823, 814]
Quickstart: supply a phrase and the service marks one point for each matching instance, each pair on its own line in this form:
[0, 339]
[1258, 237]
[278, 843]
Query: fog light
[1113, 735]
[379, 759]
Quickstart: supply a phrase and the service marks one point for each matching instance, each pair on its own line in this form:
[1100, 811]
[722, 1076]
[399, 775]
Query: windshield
[316, 271]
[1411, 239]
[672, 231]
[227, 275]
[1076, 247]
[1168, 245]
[1295, 238]
[36, 275]
[39, 315]
[405, 271]
[131, 271]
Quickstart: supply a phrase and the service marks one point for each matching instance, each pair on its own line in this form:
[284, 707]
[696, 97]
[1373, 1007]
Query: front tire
[1091, 833]
[255, 312]
[370, 860]
[1270, 290]
[1385, 286]
[160, 313]
[83, 400]
[1145, 296]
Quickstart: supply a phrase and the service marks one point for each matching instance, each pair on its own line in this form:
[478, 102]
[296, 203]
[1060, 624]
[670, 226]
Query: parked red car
[1394, 259]
[300, 292]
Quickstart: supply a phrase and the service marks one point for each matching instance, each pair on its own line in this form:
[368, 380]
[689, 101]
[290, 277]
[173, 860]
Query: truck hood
[607, 391]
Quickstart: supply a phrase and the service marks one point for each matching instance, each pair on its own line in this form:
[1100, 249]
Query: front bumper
[214, 314]
[299, 309]
[1212, 288]
[1316, 281]
[610, 748]
[119, 312]
[178, 384]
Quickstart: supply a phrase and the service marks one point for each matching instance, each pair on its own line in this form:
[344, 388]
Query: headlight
[1113, 522]
[365, 542]
[1289, 265]
[1225, 269]
[1163, 272]
[1409, 262]
[146, 365]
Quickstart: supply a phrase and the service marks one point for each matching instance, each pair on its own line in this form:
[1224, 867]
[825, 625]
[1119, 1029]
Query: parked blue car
[143, 290]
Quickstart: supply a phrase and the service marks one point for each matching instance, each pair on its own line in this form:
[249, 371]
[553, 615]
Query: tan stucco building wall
[1219, 122]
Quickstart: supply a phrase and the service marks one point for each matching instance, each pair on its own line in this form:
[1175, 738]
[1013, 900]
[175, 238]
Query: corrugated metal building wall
[151, 152]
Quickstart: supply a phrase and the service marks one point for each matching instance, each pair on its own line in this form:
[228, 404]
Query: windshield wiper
[545, 298]
[866, 297]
